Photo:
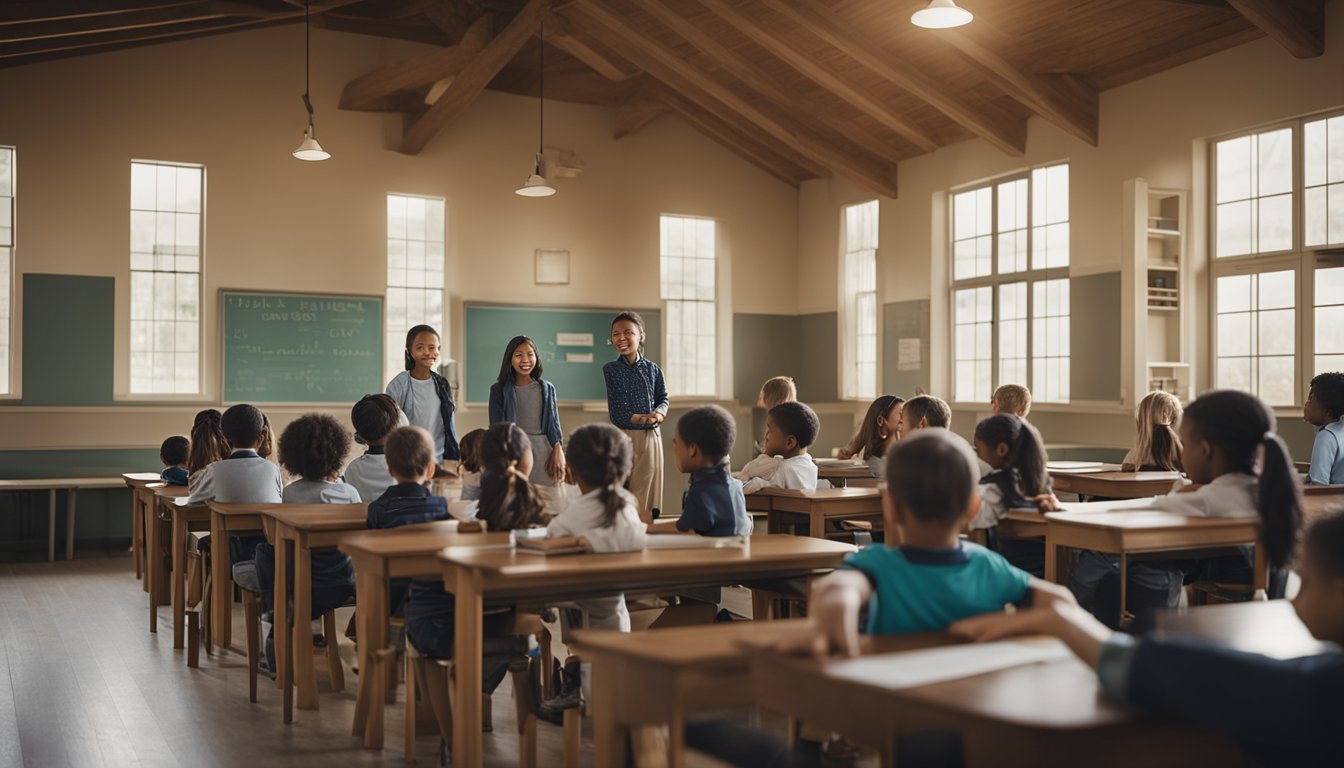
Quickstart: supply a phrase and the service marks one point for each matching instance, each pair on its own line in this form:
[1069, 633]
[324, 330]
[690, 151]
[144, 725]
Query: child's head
[1325, 399]
[1227, 431]
[469, 450]
[410, 454]
[703, 438]
[600, 457]
[1005, 441]
[627, 334]
[374, 416]
[932, 478]
[422, 348]
[244, 426]
[520, 359]
[208, 443]
[789, 429]
[173, 452]
[880, 424]
[508, 500]
[776, 390]
[1158, 441]
[922, 412]
[1320, 601]
[1011, 398]
[314, 446]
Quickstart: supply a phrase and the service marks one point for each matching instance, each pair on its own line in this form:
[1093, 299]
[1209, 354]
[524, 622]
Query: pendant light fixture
[536, 185]
[941, 14]
[309, 149]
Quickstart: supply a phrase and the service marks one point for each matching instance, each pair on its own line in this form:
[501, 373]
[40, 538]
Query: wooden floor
[84, 683]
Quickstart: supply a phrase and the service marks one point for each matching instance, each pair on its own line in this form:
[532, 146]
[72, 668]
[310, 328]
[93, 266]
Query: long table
[71, 486]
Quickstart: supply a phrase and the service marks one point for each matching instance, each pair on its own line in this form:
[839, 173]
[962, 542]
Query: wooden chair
[252, 628]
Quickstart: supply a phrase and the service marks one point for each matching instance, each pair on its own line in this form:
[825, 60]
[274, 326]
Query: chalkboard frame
[223, 330]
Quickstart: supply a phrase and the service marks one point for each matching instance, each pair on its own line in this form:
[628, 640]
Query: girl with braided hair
[508, 499]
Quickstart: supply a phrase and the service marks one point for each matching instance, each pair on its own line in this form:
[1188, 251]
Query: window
[1010, 286]
[6, 265]
[858, 302]
[415, 233]
[166, 226]
[686, 267]
[1268, 260]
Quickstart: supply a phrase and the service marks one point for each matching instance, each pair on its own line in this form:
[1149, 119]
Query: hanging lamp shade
[310, 149]
[536, 184]
[941, 14]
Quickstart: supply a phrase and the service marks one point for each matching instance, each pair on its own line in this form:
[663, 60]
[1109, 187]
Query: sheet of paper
[937, 665]
[907, 355]
[573, 339]
[1074, 466]
[578, 357]
[1114, 505]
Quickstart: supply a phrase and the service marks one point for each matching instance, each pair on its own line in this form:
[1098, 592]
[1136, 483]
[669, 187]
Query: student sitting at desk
[207, 443]
[1324, 410]
[876, 433]
[1282, 711]
[790, 428]
[244, 476]
[374, 417]
[713, 505]
[1157, 442]
[173, 453]
[1012, 448]
[1011, 398]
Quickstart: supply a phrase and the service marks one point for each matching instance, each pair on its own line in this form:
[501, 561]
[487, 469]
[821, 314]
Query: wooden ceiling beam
[821, 76]
[35, 50]
[1010, 136]
[43, 11]
[744, 145]
[1297, 25]
[473, 78]
[371, 91]
[606, 65]
[635, 114]
[680, 75]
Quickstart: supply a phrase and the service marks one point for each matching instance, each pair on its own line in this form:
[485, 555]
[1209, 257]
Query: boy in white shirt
[374, 418]
[784, 462]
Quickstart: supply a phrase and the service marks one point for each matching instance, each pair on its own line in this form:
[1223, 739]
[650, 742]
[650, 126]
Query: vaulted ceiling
[800, 88]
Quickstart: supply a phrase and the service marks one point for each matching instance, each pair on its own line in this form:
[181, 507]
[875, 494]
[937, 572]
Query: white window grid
[415, 266]
[687, 265]
[7, 194]
[859, 301]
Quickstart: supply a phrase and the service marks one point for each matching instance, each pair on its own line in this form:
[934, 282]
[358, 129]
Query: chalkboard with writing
[300, 348]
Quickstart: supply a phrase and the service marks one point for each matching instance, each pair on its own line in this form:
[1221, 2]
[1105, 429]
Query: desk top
[319, 517]
[696, 647]
[241, 508]
[822, 494]
[1268, 627]
[1140, 519]
[141, 479]
[844, 469]
[1315, 504]
[170, 491]
[418, 540]
[48, 483]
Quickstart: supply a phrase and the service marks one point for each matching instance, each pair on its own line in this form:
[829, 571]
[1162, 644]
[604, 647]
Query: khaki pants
[646, 478]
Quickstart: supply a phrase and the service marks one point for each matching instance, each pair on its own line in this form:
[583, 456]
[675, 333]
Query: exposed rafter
[1298, 25]
[562, 38]
[372, 90]
[743, 143]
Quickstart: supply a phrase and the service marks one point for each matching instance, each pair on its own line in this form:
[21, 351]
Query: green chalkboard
[573, 345]
[300, 348]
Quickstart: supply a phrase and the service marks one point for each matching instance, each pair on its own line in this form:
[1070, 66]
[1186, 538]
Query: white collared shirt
[1231, 495]
[798, 473]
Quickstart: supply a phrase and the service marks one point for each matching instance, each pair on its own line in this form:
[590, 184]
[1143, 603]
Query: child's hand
[844, 453]
[555, 465]
[1129, 468]
[1046, 502]
[834, 616]
[988, 627]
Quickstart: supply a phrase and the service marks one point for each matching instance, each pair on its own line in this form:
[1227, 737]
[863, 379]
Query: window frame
[394, 339]
[9, 386]
[851, 388]
[715, 307]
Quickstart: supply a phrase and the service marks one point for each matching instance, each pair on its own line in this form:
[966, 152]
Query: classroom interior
[642, 119]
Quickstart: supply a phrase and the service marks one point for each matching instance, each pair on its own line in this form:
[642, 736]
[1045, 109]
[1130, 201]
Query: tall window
[415, 234]
[1010, 286]
[166, 226]
[858, 302]
[6, 265]
[1278, 289]
[686, 266]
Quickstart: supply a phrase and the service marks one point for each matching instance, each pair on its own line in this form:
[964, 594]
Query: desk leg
[154, 565]
[51, 525]
[1260, 580]
[364, 590]
[1124, 586]
[179, 581]
[1052, 555]
[70, 523]
[221, 582]
[280, 627]
[816, 522]
[372, 639]
[609, 735]
[676, 738]
[304, 674]
[137, 535]
[467, 645]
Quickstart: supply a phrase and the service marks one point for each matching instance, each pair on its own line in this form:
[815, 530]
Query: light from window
[973, 322]
[1329, 319]
[1256, 335]
[415, 236]
[1254, 193]
[1012, 333]
[165, 277]
[972, 233]
[686, 268]
[1012, 227]
[1323, 180]
[1050, 217]
[860, 301]
[1050, 340]
[6, 263]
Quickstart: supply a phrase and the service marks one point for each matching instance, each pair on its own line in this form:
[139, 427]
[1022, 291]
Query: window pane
[1253, 183]
[1257, 334]
[687, 264]
[414, 270]
[1233, 162]
[1050, 342]
[1329, 325]
[1276, 223]
[1234, 228]
[1276, 162]
[7, 193]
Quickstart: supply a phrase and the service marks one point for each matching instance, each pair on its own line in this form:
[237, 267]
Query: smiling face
[890, 424]
[424, 351]
[524, 360]
[626, 336]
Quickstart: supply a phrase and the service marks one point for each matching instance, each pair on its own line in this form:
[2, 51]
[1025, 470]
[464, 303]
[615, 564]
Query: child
[789, 429]
[714, 504]
[521, 396]
[933, 578]
[173, 453]
[470, 448]
[1225, 434]
[1157, 447]
[208, 443]
[637, 403]
[776, 390]
[1017, 478]
[423, 395]
[1011, 398]
[1324, 410]
[508, 498]
[922, 412]
[243, 476]
[876, 433]
[374, 416]
[1282, 711]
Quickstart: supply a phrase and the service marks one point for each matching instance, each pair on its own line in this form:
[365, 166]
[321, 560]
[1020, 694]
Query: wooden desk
[70, 485]
[160, 508]
[228, 520]
[1112, 483]
[184, 519]
[137, 481]
[379, 556]
[782, 506]
[839, 473]
[1316, 499]
[475, 575]
[1267, 627]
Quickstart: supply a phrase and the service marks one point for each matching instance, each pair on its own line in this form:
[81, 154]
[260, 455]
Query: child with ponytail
[1013, 449]
[208, 443]
[508, 499]
[1157, 445]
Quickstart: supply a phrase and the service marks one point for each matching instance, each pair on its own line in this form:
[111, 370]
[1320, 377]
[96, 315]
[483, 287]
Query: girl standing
[637, 403]
[521, 396]
[424, 396]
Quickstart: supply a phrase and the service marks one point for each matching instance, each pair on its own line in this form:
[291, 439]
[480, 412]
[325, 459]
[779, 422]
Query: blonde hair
[778, 389]
[1157, 442]
[1014, 399]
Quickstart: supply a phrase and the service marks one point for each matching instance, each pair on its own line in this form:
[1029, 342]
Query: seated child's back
[373, 417]
[713, 505]
[173, 453]
[244, 476]
[1324, 410]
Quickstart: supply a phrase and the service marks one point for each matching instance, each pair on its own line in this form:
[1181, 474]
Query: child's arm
[1060, 618]
[1324, 453]
[667, 526]
[834, 610]
[1044, 593]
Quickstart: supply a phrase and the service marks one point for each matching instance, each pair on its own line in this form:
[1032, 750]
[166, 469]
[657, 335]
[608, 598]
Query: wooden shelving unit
[1155, 282]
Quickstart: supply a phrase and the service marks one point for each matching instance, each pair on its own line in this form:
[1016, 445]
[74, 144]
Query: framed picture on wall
[552, 267]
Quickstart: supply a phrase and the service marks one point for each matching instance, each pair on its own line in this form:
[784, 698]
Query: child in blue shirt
[173, 453]
[713, 505]
[1324, 410]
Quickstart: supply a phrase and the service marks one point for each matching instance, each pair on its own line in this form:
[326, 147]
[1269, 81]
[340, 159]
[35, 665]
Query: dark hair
[508, 500]
[174, 450]
[797, 420]
[933, 474]
[1239, 425]
[469, 450]
[374, 416]
[1329, 391]
[314, 446]
[601, 455]
[932, 409]
[506, 367]
[709, 427]
[208, 443]
[409, 450]
[871, 440]
[631, 316]
[1026, 450]
[1325, 541]
[410, 339]
[242, 425]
